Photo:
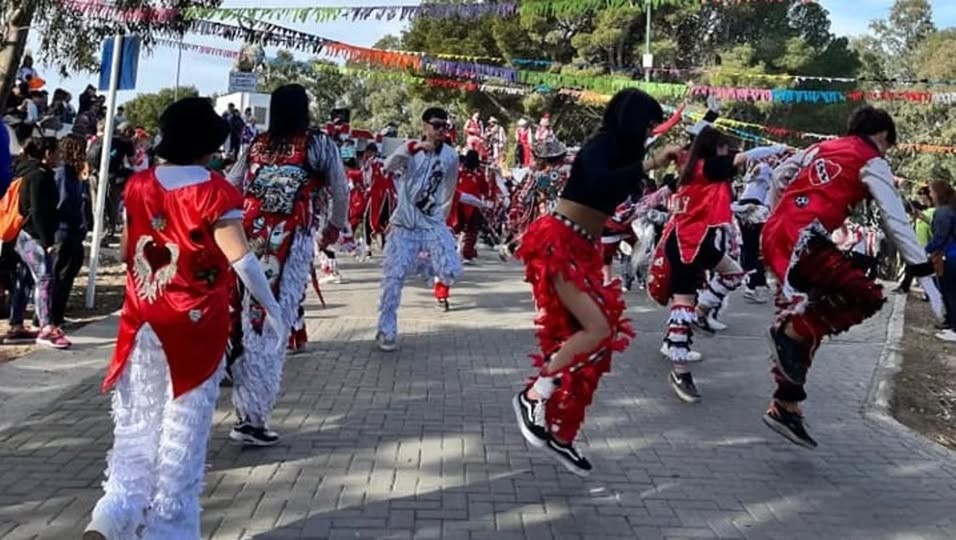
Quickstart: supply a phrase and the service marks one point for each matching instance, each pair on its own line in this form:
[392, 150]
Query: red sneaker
[20, 336]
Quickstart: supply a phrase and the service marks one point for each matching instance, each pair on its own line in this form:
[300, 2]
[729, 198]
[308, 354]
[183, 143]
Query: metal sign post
[102, 181]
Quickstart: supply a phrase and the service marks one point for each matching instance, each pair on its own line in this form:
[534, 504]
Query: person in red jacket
[470, 198]
[381, 198]
[184, 245]
[691, 245]
[820, 291]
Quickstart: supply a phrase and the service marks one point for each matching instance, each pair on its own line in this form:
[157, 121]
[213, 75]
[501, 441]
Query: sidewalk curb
[876, 407]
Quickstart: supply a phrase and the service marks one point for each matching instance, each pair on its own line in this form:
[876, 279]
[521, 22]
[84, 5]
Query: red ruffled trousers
[833, 295]
[551, 247]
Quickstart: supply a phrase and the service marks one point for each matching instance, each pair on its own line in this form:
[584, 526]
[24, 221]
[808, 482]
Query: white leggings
[155, 469]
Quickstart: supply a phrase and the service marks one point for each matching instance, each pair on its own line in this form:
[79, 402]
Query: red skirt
[552, 247]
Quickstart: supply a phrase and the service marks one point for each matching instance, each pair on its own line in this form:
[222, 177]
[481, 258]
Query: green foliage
[145, 109]
[69, 41]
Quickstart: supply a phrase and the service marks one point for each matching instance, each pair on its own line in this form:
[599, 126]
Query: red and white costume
[820, 292]
[474, 135]
[465, 217]
[524, 153]
[544, 131]
[381, 200]
[169, 354]
[286, 193]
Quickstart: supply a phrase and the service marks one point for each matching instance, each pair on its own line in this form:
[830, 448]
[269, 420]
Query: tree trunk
[11, 48]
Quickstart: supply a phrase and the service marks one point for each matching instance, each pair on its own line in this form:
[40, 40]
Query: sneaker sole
[775, 359]
[785, 433]
[387, 348]
[685, 397]
[50, 344]
[525, 432]
[250, 441]
[696, 360]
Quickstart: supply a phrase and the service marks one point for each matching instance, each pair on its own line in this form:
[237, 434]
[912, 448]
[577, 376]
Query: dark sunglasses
[441, 126]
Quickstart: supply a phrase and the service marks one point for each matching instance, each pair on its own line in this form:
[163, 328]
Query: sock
[544, 387]
[679, 335]
[718, 287]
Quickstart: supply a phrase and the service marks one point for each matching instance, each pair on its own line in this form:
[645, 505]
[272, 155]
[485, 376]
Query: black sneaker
[684, 387]
[570, 457]
[443, 305]
[250, 435]
[787, 355]
[788, 424]
[530, 416]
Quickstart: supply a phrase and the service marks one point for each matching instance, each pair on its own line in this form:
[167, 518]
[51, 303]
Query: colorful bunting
[355, 13]
[201, 49]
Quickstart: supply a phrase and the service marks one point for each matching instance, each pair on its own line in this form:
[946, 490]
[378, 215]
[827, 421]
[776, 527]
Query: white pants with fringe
[257, 373]
[154, 473]
[432, 253]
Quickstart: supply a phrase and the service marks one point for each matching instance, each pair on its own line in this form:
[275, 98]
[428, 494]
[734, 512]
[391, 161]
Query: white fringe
[430, 253]
[257, 373]
[155, 469]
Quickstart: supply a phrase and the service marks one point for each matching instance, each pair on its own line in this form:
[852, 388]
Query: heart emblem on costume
[824, 171]
[157, 256]
[154, 267]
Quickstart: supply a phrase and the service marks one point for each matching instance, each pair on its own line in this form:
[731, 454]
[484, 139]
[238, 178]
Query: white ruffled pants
[155, 470]
[429, 252]
[257, 373]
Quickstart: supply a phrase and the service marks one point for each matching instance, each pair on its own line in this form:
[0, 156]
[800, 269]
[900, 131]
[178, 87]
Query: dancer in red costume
[820, 291]
[524, 157]
[288, 173]
[471, 196]
[182, 242]
[474, 133]
[381, 199]
[580, 320]
[692, 245]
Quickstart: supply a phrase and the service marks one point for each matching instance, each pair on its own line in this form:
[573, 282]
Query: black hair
[434, 113]
[629, 114]
[869, 120]
[472, 161]
[371, 147]
[705, 147]
[288, 112]
[39, 147]
[350, 162]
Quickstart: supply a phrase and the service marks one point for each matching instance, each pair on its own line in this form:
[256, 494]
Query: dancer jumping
[580, 320]
[287, 172]
[419, 239]
[184, 232]
[820, 291]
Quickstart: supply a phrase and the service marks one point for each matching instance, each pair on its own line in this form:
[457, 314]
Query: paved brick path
[422, 443]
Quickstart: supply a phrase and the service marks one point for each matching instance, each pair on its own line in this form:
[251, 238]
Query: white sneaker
[947, 335]
[385, 343]
[716, 324]
[755, 296]
[692, 356]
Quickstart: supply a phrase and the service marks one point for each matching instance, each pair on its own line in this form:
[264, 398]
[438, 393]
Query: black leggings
[750, 255]
[66, 265]
[687, 279]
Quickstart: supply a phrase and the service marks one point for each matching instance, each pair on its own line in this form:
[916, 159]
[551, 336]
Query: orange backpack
[11, 221]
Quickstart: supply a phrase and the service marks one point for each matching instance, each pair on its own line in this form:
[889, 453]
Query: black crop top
[596, 183]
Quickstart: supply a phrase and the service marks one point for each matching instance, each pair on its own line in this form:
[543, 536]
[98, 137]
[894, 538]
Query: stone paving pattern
[422, 443]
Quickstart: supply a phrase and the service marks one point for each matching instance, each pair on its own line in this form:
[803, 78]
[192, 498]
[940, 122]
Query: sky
[211, 74]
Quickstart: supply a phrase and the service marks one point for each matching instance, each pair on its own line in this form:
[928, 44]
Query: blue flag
[129, 62]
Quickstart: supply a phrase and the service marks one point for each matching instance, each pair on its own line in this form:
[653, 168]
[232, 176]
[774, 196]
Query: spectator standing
[35, 244]
[87, 99]
[75, 217]
[942, 250]
[121, 116]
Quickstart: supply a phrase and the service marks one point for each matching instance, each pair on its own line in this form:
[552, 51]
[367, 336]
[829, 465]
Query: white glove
[935, 299]
[281, 330]
[250, 272]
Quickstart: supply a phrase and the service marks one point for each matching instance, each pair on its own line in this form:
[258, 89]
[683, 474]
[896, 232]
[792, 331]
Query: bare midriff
[592, 220]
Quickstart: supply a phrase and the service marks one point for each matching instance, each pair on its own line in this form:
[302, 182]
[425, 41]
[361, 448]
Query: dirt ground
[110, 287]
[924, 397]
